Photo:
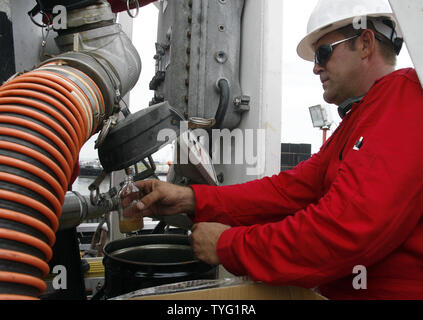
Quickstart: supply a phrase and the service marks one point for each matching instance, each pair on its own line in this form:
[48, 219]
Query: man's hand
[204, 238]
[159, 198]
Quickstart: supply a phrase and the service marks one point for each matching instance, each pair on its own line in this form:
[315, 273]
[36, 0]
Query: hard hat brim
[306, 49]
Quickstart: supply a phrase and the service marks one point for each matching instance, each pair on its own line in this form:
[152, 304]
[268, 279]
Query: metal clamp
[242, 104]
[195, 122]
[108, 125]
[95, 196]
[128, 8]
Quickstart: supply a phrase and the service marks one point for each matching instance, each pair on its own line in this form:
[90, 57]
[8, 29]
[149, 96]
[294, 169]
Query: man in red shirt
[358, 202]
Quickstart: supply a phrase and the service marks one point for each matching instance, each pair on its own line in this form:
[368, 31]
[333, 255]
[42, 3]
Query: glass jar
[134, 223]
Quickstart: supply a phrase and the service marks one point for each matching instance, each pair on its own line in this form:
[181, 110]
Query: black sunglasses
[324, 52]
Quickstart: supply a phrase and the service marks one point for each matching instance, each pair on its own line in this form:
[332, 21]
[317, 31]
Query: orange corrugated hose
[45, 118]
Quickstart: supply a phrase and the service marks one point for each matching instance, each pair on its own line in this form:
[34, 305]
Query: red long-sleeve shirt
[312, 225]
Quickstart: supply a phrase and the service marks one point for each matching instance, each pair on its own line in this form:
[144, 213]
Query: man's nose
[317, 69]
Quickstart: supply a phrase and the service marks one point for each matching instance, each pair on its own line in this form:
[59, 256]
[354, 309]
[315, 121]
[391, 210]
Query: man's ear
[367, 44]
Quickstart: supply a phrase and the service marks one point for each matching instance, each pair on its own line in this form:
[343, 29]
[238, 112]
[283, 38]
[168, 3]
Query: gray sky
[300, 89]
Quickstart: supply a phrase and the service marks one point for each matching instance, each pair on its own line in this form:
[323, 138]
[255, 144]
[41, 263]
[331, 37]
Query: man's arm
[263, 200]
[259, 201]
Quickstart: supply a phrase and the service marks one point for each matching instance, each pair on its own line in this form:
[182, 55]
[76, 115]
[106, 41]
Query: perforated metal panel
[198, 44]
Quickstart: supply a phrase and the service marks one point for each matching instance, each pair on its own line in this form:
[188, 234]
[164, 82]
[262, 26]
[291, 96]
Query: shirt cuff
[206, 203]
[225, 250]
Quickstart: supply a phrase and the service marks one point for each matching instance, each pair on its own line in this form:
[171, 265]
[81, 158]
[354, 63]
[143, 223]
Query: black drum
[151, 260]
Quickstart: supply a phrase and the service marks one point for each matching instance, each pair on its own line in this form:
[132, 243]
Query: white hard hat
[330, 15]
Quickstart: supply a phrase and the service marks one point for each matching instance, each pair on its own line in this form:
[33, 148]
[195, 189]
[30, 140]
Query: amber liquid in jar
[129, 224]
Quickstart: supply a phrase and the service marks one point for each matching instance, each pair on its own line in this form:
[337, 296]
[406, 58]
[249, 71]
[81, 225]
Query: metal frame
[409, 15]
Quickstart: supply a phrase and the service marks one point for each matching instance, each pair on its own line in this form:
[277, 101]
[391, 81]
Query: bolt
[221, 57]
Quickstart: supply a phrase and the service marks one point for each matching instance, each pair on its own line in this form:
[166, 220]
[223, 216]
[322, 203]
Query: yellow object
[96, 268]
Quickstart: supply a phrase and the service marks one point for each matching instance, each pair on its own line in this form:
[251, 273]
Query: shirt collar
[346, 106]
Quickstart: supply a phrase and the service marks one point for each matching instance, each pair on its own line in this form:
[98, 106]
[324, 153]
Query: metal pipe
[78, 208]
